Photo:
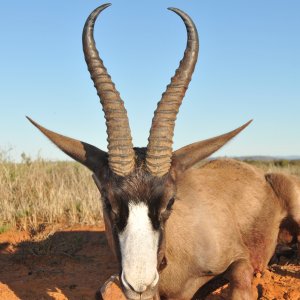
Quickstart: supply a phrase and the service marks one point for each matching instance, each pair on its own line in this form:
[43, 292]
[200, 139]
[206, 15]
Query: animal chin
[144, 294]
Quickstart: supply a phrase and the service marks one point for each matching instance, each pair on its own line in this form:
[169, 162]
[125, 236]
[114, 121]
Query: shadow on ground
[65, 265]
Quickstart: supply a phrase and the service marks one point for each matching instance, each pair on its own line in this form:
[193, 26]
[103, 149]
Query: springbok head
[138, 185]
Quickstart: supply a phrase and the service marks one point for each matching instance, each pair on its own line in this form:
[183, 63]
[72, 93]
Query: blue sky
[249, 67]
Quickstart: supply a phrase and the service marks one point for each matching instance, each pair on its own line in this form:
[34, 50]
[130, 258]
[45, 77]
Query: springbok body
[226, 219]
[171, 226]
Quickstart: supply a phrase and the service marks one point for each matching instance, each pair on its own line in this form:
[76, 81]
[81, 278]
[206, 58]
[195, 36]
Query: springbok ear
[88, 155]
[187, 156]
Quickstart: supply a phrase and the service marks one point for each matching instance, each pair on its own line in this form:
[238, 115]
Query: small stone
[258, 275]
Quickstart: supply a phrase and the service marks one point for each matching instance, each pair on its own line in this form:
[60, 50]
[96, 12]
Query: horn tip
[100, 8]
[29, 119]
[105, 5]
[245, 125]
[176, 10]
[249, 122]
[37, 125]
[33, 123]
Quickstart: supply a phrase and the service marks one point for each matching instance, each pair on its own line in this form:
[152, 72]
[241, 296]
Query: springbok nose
[139, 287]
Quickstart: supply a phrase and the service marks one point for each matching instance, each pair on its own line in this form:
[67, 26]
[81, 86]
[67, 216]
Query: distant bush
[286, 166]
[282, 163]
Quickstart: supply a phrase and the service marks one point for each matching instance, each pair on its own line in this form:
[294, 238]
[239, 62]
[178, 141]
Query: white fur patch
[139, 246]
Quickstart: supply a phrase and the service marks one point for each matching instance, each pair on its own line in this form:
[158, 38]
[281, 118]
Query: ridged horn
[121, 155]
[159, 149]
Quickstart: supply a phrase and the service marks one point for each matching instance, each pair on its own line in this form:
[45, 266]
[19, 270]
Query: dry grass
[43, 192]
[37, 193]
[281, 166]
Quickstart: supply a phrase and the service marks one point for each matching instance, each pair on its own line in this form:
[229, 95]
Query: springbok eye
[109, 209]
[170, 203]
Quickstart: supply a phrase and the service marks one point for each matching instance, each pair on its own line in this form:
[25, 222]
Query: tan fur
[225, 212]
[287, 188]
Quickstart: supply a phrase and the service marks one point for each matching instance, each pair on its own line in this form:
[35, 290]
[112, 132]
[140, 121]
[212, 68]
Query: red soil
[73, 263]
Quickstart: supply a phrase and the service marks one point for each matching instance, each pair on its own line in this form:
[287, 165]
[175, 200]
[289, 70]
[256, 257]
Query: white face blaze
[139, 246]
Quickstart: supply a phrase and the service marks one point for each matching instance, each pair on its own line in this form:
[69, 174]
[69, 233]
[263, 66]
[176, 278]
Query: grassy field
[38, 193]
[283, 166]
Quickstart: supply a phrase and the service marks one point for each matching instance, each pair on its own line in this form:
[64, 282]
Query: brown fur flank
[287, 188]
